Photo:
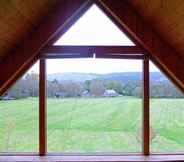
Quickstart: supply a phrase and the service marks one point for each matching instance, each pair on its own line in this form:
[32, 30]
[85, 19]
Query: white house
[110, 93]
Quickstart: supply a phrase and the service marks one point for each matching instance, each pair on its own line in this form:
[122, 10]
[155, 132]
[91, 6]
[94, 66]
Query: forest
[123, 84]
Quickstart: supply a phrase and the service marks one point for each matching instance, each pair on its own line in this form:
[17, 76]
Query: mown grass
[94, 125]
[91, 125]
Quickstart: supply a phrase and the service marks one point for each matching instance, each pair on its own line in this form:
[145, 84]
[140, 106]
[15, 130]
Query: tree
[132, 87]
[19, 90]
[32, 84]
[97, 88]
[137, 91]
[54, 87]
[27, 86]
[72, 89]
[87, 84]
[115, 85]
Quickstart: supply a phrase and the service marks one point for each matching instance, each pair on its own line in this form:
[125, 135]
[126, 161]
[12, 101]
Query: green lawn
[90, 125]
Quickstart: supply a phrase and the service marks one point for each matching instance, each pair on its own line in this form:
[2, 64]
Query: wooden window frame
[42, 109]
[111, 52]
[120, 52]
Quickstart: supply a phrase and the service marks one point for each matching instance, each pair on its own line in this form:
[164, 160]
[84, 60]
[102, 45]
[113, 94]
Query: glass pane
[94, 106]
[19, 115]
[94, 28]
[167, 114]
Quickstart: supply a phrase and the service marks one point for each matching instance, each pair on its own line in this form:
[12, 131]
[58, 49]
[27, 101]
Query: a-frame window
[94, 28]
[96, 94]
[95, 35]
[74, 126]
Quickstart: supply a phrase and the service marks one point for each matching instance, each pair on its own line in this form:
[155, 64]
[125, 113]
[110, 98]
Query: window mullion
[42, 108]
[146, 117]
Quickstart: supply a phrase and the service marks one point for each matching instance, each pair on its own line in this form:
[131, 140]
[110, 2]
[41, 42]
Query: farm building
[7, 97]
[29, 33]
[110, 93]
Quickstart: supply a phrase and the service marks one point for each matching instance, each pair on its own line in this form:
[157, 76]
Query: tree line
[28, 86]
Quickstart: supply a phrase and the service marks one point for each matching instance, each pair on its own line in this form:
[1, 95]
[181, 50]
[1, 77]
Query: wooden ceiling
[21, 20]
[21, 17]
[18, 18]
[166, 17]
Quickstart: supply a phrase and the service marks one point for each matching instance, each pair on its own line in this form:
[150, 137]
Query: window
[96, 109]
[94, 28]
[19, 115]
[98, 98]
[94, 105]
[166, 114]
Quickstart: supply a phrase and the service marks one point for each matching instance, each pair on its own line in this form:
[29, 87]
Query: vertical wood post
[146, 117]
[42, 108]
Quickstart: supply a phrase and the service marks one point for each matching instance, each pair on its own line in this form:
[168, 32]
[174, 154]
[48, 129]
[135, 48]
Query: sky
[93, 28]
[92, 65]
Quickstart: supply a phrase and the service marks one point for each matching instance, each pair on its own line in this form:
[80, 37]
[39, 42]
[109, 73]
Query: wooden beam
[94, 158]
[118, 56]
[54, 25]
[123, 13]
[146, 116]
[91, 55]
[67, 55]
[42, 109]
[94, 49]
[114, 52]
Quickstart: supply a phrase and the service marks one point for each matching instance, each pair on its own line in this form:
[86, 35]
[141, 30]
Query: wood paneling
[94, 49]
[18, 18]
[166, 17]
[65, 158]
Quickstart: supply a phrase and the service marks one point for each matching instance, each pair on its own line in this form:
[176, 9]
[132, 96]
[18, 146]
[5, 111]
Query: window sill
[82, 158]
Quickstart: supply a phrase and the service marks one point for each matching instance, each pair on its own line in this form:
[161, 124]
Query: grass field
[91, 125]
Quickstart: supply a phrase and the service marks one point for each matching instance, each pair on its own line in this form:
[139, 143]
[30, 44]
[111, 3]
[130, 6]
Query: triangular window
[94, 28]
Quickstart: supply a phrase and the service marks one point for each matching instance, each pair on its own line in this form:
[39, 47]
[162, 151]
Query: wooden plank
[42, 109]
[131, 22]
[146, 116]
[160, 15]
[90, 55]
[118, 56]
[94, 49]
[65, 55]
[94, 158]
[56, 23]
[116, 52]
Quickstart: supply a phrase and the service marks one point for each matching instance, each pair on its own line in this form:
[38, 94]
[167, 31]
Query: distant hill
[124, 76]
[76, 77]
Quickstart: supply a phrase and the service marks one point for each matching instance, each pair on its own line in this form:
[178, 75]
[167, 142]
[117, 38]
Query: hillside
[124, 76]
